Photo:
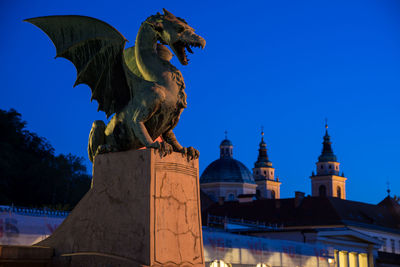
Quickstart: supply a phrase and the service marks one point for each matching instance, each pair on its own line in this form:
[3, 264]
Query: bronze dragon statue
[138, 84]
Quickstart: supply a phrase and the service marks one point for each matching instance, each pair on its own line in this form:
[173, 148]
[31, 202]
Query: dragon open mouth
[180, 48]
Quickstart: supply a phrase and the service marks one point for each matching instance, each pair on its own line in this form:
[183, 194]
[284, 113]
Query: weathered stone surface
[141, 210]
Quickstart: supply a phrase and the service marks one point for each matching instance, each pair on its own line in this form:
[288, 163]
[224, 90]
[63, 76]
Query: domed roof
[227, 170]
[226, 142]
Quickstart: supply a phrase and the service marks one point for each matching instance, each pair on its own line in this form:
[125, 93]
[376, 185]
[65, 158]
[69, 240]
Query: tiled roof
[311, 211]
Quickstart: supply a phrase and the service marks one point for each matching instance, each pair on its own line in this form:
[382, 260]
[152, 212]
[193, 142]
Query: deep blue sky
[286, 65]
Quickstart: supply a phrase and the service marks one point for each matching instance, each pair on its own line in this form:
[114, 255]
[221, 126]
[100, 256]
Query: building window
[339, 192]
[322, 166]
[265, 172]
[273, 194]
[322, 191]
[392, 245]
[337, 167]
[219, 263]
[384, 244]
[231, 197]
[330, 167]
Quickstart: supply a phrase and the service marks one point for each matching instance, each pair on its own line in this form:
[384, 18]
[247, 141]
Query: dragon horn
[168, 14]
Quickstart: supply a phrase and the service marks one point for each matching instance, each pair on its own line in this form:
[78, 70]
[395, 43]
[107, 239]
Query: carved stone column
[142, 210]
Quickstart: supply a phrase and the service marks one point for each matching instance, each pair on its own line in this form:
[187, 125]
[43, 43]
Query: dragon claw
[163, 148]
[190, 153]
[102, 149]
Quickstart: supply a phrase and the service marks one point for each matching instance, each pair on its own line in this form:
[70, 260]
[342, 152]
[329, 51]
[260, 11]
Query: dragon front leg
[189, 152]
[142, 134]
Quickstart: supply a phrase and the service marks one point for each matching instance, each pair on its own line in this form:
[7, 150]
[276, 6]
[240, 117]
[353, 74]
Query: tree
[31, 174]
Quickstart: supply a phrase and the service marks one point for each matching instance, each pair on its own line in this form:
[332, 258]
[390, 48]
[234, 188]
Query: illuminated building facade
[356, 234]
[264, 174]
[227, 178]
[327, 181]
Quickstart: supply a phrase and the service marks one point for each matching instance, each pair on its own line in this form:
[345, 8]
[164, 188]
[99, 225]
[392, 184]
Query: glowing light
[330, 261]
[219, 263]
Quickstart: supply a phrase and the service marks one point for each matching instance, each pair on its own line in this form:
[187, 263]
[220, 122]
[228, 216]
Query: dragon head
[177, 34]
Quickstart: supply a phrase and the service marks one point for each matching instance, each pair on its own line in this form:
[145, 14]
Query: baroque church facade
[227, 179]
[357, 234]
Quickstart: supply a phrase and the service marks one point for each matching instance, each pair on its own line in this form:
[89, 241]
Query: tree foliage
[31, 174]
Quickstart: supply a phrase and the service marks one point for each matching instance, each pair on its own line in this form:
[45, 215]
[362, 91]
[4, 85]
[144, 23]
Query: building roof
[327, 152]
[262, 159]
[226, 142]
[310, 211]
[393, 207]
[227, 170]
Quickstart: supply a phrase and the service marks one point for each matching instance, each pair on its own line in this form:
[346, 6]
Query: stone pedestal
[142, 210]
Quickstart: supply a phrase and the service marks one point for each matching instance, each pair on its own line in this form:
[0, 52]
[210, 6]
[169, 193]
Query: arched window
[322, 191]
[272, 194]
[339, 192]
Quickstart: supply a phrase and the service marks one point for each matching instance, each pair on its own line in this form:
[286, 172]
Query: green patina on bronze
[138, 84]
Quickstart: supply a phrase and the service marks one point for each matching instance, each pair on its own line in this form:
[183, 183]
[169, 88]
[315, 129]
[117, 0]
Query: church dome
[226, 142]
[227, 170]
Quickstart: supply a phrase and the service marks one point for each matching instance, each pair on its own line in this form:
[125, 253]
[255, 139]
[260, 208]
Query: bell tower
[327, 182]
[264, 174]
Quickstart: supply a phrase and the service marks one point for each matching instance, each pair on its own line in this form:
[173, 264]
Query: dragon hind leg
[96, 138]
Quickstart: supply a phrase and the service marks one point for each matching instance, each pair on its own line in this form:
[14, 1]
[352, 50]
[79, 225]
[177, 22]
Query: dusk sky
[284, 65]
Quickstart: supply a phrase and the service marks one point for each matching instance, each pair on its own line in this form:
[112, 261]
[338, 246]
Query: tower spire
[326, 126]
[264, 174]
[262, 160]
[327, 152]
[326, 181]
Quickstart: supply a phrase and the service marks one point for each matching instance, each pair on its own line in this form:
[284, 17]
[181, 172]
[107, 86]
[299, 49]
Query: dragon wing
[97, 51]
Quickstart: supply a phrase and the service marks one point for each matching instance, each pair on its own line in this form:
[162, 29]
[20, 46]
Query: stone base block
[142, 210]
